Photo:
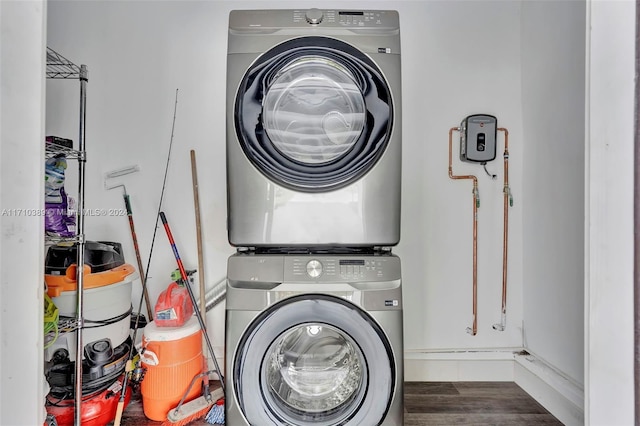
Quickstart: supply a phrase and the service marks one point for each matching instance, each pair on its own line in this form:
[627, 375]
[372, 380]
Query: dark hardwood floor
[437, 403]
[472, 403]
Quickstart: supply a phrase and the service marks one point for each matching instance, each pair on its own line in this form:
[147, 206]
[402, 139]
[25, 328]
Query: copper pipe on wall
[473, 330]
[508, 201]
[636, 224]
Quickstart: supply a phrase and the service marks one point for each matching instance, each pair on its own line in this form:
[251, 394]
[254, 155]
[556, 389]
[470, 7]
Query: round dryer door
[314, 111]
[314, 360]
[313, 114]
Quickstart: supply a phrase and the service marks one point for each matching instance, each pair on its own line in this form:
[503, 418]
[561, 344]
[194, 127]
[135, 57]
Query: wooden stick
[203, 309]
[196, 202]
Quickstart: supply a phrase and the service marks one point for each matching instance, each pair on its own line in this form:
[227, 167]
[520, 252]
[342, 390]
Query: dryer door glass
[314, 111]
[313, 114]
[314, 368]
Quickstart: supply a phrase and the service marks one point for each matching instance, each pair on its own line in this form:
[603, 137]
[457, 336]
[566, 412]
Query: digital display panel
[352, 262]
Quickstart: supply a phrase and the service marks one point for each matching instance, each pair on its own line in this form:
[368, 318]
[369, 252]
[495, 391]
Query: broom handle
[119, 411]
[183, 273]
[196, 204]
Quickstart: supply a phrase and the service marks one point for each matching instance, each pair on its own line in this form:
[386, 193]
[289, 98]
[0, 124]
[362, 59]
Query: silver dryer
[313, 128]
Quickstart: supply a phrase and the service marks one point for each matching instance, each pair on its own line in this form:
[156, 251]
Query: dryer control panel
[260, 20]
[356, 18]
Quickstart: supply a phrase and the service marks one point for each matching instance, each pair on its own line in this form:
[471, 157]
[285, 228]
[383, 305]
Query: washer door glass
[314, 360]
[314, 111]
[314, 368]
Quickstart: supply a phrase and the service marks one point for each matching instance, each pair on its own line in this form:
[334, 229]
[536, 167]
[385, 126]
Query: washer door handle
[252, 284]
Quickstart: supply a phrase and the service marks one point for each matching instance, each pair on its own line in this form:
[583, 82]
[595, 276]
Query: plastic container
[173, 307]
[173, 357]
[106, 306]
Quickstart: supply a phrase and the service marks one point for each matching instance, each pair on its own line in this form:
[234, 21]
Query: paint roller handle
[127, 204]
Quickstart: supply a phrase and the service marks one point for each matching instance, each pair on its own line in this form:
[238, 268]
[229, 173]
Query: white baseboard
[555, 392]
[559, 395]
[459, 366]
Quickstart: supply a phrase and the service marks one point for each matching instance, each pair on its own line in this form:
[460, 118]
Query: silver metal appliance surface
[313, 128]
[314, 340]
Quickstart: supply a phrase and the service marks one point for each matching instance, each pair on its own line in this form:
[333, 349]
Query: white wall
[459, 58]
[138, 53]
[22, 35]
[553, 86]
[609, 395]
[456, 62]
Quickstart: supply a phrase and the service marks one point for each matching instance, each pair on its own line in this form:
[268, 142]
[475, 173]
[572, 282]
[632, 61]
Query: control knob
[314, 268]
[314, 16]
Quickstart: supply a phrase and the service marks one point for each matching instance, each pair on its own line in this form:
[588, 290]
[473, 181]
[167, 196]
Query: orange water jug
[173, 357]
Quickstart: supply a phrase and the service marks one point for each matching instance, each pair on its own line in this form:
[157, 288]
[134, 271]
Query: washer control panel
[339, 269]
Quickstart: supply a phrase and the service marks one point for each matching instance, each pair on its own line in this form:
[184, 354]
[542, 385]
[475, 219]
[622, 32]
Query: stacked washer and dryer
[314, 299]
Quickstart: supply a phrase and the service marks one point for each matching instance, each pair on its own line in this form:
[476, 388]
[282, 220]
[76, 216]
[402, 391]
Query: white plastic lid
[153, 333]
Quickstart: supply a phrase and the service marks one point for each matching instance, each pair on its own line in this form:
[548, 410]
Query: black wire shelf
[57, 239]
[52, 150]
[60, 67]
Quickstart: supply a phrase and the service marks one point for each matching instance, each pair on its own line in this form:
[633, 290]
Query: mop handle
[183, 273]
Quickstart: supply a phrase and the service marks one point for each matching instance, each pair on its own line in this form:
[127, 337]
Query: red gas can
[173, 307]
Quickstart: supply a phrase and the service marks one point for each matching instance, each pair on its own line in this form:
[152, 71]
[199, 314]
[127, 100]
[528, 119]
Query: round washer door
[313, 114]
[314, 360]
